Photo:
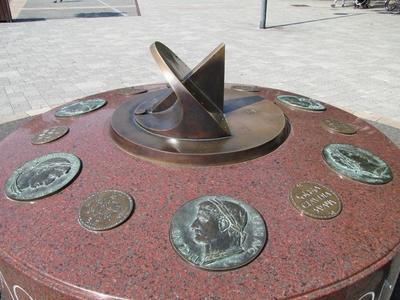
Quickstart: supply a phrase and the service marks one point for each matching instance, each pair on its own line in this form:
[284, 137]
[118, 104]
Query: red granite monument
[315, 211]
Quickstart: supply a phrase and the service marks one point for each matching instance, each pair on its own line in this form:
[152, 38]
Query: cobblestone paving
[345, 57]
[49, 9]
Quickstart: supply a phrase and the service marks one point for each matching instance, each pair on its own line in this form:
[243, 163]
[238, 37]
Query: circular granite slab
[45, 253]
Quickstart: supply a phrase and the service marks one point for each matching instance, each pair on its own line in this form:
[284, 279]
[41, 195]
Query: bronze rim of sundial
[199, 120]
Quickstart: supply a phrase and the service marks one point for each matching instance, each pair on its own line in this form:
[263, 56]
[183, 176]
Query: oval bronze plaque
[131, 91]
[80, 107]
[301, 102]
[315, 200]
[336, 126]
[217, 233]
[49, 135]
[105, 210]
[357, 164]
[246, 88]
[42, 176]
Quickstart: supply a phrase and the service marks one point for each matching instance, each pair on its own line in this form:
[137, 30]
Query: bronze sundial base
[257, 126]
[198, 120]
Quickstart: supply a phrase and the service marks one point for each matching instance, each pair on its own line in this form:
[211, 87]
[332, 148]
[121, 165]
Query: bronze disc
[131, 91]
[245, 88]
[315, 200]
[357, 164]
[217, 233]
[49, 135]
[336, 126]
[80, 107]
[42, 176]
[105, 210]
[301, 102]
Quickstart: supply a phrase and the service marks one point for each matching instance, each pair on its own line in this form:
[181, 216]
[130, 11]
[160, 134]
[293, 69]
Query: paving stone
[31, 92]
[6, 109]
[3, 95]
[37, 104]
[19, 104]
[8, 89]
[4, 80]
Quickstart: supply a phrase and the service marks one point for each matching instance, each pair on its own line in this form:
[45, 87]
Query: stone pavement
[342, 56]
[47, 9]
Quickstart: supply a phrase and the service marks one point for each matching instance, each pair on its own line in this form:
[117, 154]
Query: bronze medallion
[301, 102]
[217, 233]
[315, 201]
[131, 91]
[337, 126]
[105, 210]
[245, 88]
[80, 107]
[49, 135]
[42, 176]
[357, 164]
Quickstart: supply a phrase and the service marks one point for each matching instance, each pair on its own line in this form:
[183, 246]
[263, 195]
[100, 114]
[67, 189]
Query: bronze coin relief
[217, 233]
[131, 91]
[105, 210]
[336, 126]
[301, 102]
[80, 107]
[49, 135]
[315, 200]
[357, 164]
[245, 88]
[42, 176]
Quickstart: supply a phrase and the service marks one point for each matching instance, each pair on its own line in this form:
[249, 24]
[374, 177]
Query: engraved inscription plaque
[105, 210]
[301, 102]
[217, 233]
[357, 164]
[49, 135]
[42, 176]
[80, 107]
[337, 126]
[315, 200]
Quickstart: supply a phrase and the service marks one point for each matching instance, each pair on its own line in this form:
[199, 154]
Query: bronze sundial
[198, 120]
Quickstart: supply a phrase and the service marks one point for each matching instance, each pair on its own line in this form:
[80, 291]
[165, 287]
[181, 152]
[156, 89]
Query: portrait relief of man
[219, 227]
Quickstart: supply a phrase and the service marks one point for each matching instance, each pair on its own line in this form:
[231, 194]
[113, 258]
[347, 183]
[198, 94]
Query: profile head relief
[220, 221]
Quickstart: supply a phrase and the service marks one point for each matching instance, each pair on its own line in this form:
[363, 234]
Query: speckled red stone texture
[46, 253]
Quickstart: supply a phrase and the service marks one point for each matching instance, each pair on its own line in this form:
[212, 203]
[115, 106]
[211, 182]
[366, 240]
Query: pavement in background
[35, 10]
[341, 56]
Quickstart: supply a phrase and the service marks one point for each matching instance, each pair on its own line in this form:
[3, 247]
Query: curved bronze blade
[197, 112]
